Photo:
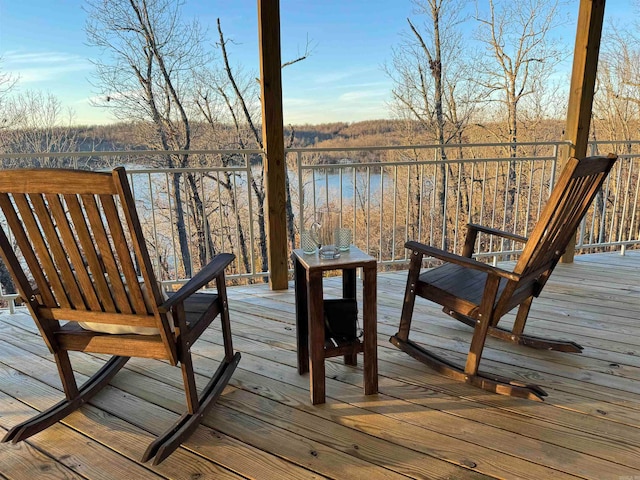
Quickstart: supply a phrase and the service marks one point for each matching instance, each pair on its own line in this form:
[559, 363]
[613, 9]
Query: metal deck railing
[386, 195]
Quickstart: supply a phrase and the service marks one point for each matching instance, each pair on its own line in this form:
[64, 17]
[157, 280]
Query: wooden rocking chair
[480, 294]
[83, 258]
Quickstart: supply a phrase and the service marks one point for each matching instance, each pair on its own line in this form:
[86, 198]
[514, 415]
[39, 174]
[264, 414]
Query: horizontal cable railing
[386, 195]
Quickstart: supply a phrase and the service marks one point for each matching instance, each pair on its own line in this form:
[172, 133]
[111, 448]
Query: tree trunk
[180, 225]
[206, 249]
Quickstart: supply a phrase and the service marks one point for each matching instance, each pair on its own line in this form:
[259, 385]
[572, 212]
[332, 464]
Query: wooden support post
[273, 140]
[583, 79]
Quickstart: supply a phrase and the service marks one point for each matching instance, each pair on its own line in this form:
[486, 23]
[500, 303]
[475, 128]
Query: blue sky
[44, 43]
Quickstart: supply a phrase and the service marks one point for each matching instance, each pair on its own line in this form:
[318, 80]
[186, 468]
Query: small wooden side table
[310, 317]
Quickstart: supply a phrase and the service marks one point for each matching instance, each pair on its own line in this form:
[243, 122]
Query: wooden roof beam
[583, 80]
[273, 141]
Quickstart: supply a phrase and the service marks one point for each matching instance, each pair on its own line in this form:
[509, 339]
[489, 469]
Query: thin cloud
[332, 77]
[361, 85]
[359, 95]
[340, 75]
[297, 102]
[39, 57]
[42, 66]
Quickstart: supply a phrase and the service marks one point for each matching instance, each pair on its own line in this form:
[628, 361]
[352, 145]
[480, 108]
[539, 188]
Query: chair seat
[128, 329]
[456, 281]
[195, 307]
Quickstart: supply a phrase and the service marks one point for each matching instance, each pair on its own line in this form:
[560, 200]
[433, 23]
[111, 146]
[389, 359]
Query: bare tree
[428, 70]
[225, 99]
[228, 96]
[35, 123]
[520, 55]
[147, 76]
[616, 108]
[7, 112]
[431, 80]
[38, 125]
[616, 111]
[161, 73]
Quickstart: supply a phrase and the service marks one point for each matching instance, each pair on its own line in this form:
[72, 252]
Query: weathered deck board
[420, 425]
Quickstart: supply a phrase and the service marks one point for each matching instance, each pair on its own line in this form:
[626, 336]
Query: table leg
[370, 321]
[302, 317]
[349, 291]
[349, 283]
[316, 336]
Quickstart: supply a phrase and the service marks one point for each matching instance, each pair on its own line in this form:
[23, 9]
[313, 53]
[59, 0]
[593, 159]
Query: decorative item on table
[323, 232]
[343, 238]
[307, 242]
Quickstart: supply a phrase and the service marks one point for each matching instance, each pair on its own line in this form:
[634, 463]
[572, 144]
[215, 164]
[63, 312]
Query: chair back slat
[121, 245]
[59, 256]
[109, 263]
[568, 203]
[140, 247]
[71, 245]
[90, 254]
[34, 237]
[12, 218]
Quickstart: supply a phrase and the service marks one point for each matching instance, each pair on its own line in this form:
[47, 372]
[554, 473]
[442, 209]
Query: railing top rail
[395, 163]
[113, 153]
[128, 153]
[611, 142]
[157, 170]
[420, 147]
[258, 151]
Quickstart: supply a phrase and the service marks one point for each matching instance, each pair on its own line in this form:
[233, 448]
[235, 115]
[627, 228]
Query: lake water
[327, 185]
[332, 185]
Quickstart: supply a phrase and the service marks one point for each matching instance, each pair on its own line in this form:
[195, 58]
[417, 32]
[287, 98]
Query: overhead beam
[583, 81]
[273, 141]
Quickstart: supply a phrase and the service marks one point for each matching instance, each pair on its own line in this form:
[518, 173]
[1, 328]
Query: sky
[43, 43]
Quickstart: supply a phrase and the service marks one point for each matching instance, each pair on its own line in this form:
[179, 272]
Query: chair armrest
[212, 270]
[495, 231]
[460, 260]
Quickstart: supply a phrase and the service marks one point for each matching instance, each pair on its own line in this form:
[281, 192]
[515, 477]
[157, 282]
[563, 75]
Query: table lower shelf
[348, 348]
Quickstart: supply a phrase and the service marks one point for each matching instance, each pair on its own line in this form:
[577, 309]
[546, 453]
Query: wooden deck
[420, 425]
